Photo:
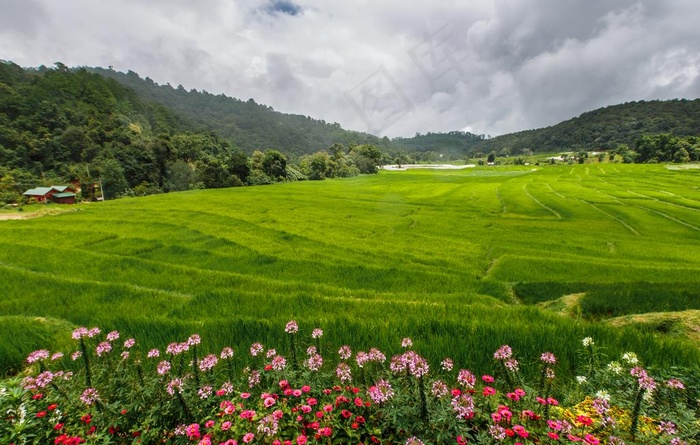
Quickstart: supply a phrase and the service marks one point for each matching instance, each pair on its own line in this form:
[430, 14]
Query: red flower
[360, 419]
[268, 368]
[52, 407]
[553, 436]
[584, 420]
[355, 390]
[91, 430]
[41, 414]
[58, 426]
[124, 412]
[461, 440]
[354, 425]
[456, 392]
[358, 402]
[37, 396]
[520, 431]
[510, 432]
[346, 414]
[87, 418]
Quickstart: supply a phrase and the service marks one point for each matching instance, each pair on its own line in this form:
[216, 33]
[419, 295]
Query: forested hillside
[603, 129]
[435, 146]
[60, 124]
[251, 125]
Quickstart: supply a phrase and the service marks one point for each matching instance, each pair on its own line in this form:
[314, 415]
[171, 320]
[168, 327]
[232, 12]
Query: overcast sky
[391, 67]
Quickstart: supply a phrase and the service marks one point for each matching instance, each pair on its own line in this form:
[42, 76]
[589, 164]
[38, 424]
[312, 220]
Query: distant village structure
[59, 194]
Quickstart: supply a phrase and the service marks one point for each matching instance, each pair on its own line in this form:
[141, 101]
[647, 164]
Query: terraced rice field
[453, 259]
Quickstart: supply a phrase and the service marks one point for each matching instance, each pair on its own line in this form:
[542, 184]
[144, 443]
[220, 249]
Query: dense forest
[602, 129]
[250, 124]
[59, 124]
[432, 147]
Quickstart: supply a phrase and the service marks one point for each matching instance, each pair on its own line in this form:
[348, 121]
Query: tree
[681, 156]
[367, 158]
[113, 181]
[274, 165]
[491, 158]
[319, 165]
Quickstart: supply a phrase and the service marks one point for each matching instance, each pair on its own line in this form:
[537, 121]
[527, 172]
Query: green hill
[601, 129]
[250, 125]
[604, 128]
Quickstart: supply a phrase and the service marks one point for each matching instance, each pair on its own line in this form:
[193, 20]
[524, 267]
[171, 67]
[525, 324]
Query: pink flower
[521, 431]
[548, 358]
[245, 395]
[36, 356]
[114, 335]
[317, 333]
[209, 424]
[269, 402]
[291, 328]
[591, 439]
[503, 353]
[487, 379]
[488, 391]
[301, 440]
[192, 431]
[248, 437]
[225, 426]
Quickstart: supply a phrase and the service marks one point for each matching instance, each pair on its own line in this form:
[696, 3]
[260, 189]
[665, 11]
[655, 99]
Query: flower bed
[108, 391]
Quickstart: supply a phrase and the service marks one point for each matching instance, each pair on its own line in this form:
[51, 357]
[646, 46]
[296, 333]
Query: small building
[63, 198]
[46, 194]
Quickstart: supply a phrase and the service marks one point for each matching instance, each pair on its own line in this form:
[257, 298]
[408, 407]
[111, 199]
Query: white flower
[604, 395]
[581, 379]
[615, 368]
[588, 341]
[630, 358]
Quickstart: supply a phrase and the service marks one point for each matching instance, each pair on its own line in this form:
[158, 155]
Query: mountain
[432, 146]
[600, 129]
[251, 126]
[604, 128]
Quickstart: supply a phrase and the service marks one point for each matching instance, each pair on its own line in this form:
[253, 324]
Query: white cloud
[491, 66]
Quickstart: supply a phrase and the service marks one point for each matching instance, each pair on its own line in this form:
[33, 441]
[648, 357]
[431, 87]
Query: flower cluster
[189, 396]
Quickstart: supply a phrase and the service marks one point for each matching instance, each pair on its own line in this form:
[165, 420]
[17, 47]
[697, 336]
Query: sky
[388, 67]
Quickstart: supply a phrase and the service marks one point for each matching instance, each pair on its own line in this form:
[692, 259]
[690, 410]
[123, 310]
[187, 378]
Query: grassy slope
[432, 255]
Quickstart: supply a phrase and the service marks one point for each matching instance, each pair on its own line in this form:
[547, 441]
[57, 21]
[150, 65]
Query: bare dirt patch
[11, 216]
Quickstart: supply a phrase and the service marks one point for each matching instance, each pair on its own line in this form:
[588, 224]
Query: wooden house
[62, 194]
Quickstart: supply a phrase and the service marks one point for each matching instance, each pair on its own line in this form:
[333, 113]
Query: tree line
[59, 124]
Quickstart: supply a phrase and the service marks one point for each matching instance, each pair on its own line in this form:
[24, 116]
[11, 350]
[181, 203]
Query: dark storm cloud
[484, 66]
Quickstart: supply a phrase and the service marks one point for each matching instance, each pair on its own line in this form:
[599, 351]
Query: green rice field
[454, 259]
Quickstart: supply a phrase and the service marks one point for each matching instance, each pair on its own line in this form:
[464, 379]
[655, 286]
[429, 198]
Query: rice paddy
[454, 259]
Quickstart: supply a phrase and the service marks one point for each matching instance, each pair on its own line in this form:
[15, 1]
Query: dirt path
[10, 216]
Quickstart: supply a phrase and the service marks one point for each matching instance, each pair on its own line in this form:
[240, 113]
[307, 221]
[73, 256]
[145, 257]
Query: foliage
[112, 390]
[603, 128]
[58, 124]
[250, 124]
